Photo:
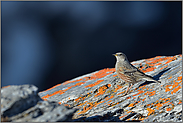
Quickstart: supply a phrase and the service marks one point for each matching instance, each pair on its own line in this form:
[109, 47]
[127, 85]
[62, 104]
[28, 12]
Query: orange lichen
[143, 99]
[109, 101]
[149, 69]
[153, 62]
[179, 78]
[167, 89]
[107, 98]
[122, 116]
[44, 99]
[151, 111]
[158, 64]
[141, 119]
[67, 105]
[140, 91]
[67, 82]
[166, 102]
[115, 75]
[168, 61]
[176, 89]
[82, 104]
[170, 77]
[180, 102]
[143, 87]
[56, 92]
[62, 91]
[163, 67]
[163, 102]
[96, 83]
[152, 93]
[119, 87]
[171, 104]
[175, 84]
[131, 105]
[168, 85]
[109, 85]
[167, 99]
[129, 112]
[102, 73]
[158, 106]
[168, 109]
[79, 98]
[85, 109]
[129, 119]
[121, 92]
[128, 97]
[101, 91]
[111, 97]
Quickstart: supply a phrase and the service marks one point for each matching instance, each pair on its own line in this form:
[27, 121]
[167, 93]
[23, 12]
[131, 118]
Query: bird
[129, 73]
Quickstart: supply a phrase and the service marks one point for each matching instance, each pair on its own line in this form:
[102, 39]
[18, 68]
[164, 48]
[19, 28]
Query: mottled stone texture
[98, 97]
[22, 104]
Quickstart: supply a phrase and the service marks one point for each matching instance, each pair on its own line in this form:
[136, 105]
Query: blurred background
[47, 43]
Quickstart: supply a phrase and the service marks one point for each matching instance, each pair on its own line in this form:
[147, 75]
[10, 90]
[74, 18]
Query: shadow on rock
[156, 77]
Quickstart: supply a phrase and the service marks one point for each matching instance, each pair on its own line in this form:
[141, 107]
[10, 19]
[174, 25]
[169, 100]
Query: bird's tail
[149, 78]
[157, 81]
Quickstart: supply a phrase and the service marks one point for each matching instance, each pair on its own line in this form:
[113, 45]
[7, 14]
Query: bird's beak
[114, 54]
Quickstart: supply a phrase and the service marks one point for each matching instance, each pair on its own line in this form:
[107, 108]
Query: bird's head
[120, 56]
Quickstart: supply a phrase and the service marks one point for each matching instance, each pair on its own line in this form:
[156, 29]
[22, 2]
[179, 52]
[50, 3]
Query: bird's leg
[129, 87]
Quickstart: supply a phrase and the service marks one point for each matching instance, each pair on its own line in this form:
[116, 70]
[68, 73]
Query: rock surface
[98, 97]
[22, 104]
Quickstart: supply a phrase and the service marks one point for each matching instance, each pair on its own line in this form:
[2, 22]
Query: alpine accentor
[129, 73]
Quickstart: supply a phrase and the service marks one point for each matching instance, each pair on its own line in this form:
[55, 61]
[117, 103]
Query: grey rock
[22, 104]
[16, 99]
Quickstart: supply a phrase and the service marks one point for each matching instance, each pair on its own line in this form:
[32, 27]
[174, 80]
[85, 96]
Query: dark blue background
[46, 43]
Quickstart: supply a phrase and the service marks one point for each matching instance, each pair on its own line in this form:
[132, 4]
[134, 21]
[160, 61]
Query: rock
[22, 104]
[45, 111]
[98, 97]
[16, 99]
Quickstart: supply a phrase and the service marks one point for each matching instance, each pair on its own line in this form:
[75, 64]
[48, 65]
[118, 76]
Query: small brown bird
[129, 73]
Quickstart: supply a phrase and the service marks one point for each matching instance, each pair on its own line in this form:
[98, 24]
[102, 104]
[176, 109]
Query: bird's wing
[130, 69]
[134, 71]
[137, 74]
